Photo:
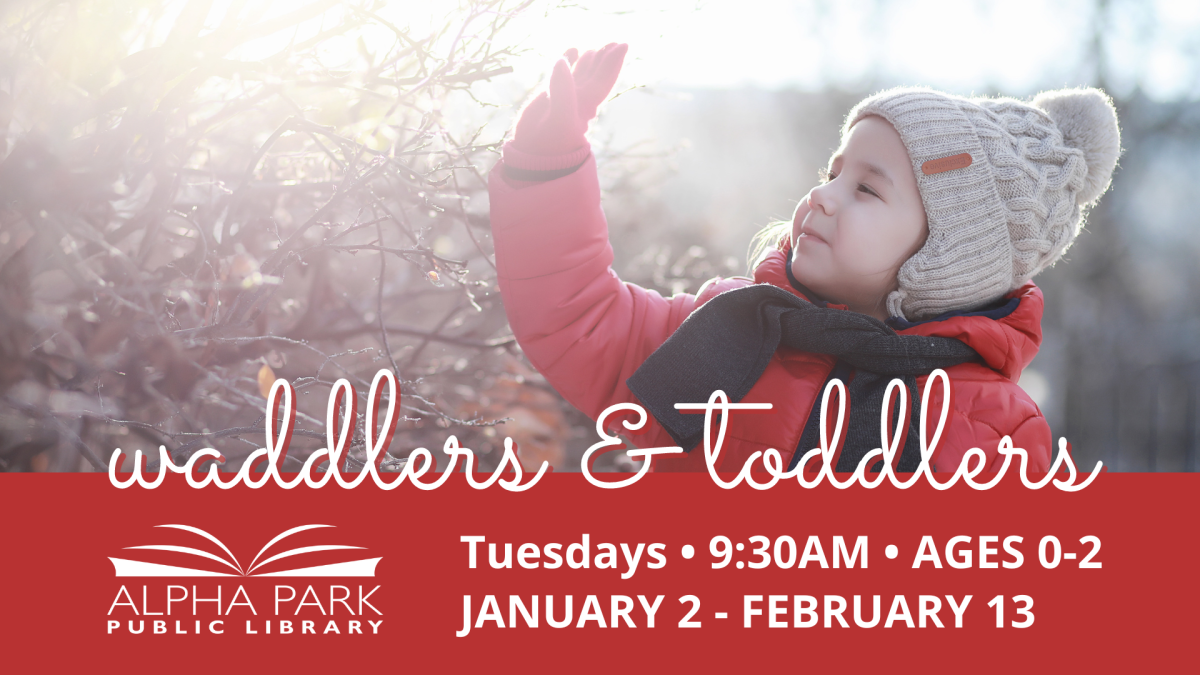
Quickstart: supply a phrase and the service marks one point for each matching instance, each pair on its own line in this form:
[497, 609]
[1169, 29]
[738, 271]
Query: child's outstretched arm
[583, 328]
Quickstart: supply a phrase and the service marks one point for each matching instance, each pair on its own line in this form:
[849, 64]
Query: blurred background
[197, 197]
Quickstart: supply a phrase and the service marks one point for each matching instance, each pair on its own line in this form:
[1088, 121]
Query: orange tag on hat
[946, 164]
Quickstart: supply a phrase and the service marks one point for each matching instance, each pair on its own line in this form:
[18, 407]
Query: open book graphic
[353, 568]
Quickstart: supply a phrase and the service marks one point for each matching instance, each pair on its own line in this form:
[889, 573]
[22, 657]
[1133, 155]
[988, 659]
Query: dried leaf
[266, 378]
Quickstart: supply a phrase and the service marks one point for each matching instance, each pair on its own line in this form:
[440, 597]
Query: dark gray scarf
[727, 343]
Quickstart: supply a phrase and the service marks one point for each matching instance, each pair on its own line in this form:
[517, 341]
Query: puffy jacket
[587, 331]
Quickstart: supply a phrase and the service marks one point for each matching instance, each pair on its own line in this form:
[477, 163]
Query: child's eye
[825, 175]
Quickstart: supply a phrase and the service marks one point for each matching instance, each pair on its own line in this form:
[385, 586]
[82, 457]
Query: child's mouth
[812, 237]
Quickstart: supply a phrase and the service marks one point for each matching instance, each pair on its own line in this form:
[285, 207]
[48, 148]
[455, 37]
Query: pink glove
[549, 133]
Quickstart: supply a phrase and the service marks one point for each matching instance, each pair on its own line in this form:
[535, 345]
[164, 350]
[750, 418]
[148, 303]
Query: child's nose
[821, 199]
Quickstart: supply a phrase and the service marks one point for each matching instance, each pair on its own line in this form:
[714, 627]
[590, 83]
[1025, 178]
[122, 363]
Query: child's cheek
[799, 215]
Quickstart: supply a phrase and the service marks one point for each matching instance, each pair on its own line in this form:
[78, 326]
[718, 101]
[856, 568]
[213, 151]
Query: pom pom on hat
[1088, 122]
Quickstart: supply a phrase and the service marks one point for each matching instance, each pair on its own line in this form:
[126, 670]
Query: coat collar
[1007, 334]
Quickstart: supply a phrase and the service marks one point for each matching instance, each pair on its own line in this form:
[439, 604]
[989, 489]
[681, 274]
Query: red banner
[672, 572]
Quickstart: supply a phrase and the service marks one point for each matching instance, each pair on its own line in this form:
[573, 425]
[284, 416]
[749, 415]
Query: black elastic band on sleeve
[538, 175]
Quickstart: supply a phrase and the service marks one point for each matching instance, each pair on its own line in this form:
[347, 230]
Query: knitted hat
[1004, 183]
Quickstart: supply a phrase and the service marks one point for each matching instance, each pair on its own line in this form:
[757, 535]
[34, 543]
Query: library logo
[214, 594]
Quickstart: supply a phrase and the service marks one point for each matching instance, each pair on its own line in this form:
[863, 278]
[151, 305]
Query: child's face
[851, 234]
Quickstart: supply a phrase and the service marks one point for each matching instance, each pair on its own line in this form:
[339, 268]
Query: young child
[914, 253]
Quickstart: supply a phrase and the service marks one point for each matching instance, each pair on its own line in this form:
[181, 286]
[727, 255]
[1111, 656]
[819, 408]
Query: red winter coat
[587, 331]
